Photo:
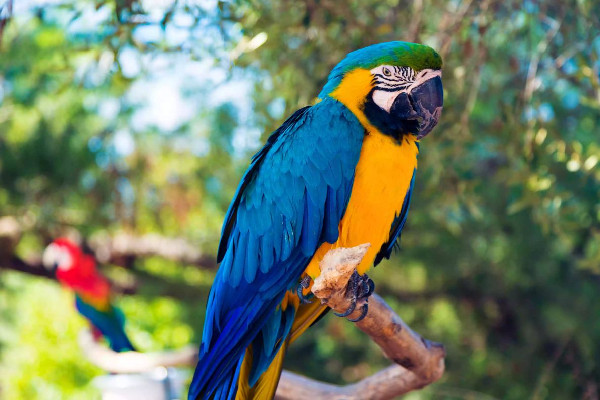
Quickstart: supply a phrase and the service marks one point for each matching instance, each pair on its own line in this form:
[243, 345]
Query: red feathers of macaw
[79, 272]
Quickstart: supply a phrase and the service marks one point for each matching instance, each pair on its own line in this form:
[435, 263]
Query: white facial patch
[57, 255]
[390, 81]
[385, 99]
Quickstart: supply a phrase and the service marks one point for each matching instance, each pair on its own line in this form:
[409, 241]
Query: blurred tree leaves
[41, 326]
[500, 257]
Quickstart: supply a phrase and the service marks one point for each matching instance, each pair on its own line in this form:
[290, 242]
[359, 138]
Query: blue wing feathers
[266, 253]
[239, 258]
[252, 258]
[269, 335]
[247, 178]
[265, 351]
[290, 201]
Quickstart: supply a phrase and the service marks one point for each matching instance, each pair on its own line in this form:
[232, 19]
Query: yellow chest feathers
[383, 176]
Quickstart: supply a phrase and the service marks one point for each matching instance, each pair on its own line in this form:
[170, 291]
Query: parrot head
[70, 264]
[395, 87]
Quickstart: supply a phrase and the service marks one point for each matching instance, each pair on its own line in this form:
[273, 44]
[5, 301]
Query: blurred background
[124, 123]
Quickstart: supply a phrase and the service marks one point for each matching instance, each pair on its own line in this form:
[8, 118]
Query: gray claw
[368, 287]
[359, 287]
[349, 311]
[363, 314]
[304, 283]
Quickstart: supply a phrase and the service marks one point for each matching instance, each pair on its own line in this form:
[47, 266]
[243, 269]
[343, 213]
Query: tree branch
[122, 247]
[132, 361]
[32, 267]
[420, 361]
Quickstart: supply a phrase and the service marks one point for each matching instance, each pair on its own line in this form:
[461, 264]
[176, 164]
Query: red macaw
[77, 271]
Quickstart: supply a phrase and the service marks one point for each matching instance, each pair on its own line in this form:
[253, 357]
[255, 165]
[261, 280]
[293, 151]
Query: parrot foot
[304, 283]
[359, 287]
[363, 314]
[349, 311]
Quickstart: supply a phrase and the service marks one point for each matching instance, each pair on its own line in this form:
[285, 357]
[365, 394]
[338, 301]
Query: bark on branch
[419, 361]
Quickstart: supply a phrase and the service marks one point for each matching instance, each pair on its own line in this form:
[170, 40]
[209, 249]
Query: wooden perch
[132, 361]
[419, 361]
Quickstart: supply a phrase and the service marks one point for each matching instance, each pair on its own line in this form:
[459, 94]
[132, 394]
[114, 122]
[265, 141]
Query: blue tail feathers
[110, 323]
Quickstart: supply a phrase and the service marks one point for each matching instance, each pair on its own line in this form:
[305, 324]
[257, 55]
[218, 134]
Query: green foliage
[41, 326]
[500, 258]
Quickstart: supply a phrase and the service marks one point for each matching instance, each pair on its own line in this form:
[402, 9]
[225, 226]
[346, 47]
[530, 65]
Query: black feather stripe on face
[400, 79]
[386, 123]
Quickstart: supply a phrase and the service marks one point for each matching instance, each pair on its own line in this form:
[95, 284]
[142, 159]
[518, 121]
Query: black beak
[421, 108]
[54, 269]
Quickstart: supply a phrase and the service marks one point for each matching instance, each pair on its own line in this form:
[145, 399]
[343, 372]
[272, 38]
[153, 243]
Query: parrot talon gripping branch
[336, 174]
[369, 286]
[359, 287]
[419, 362]
[304, 284]
[364, 309]
[349, 310]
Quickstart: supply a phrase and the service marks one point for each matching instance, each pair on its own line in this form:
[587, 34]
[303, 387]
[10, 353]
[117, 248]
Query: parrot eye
[386, 71]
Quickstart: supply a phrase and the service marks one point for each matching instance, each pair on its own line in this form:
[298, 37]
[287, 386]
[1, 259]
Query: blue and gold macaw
[336, 174]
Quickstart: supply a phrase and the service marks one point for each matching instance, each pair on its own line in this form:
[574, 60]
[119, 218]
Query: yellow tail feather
[267, 384]
[306, 315]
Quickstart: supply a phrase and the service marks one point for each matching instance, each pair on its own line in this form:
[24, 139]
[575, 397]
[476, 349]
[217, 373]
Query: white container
[160, 384]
